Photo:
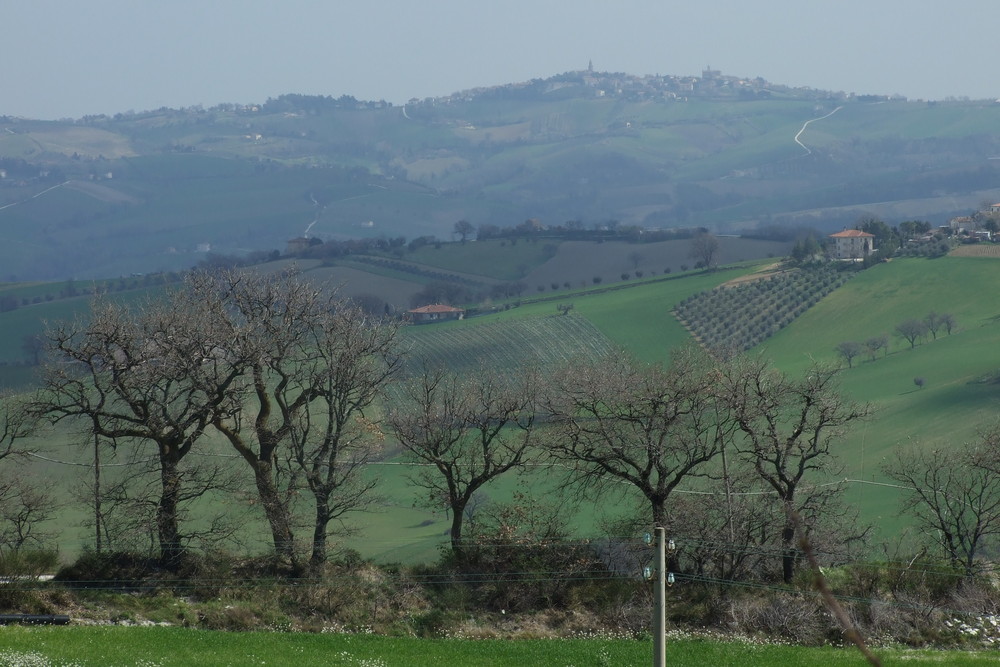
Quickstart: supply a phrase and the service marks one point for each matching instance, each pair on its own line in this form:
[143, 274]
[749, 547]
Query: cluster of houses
[975, 226]
[854, 244]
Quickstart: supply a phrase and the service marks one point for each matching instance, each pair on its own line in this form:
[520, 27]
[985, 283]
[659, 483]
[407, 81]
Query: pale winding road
[806, 124]
[34, 196]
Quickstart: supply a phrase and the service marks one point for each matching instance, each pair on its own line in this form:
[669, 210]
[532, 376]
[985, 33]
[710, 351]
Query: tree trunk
[98, 513]
[262, 463]
[457, 516]
[659, 507]
[168, 532]
[318, 557]
[788, 552]
[276, 511]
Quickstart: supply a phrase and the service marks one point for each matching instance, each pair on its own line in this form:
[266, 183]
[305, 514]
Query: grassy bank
[108, 646]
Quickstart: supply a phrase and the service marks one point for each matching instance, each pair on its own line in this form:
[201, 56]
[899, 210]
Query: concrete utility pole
[660, 604]
[663, 579]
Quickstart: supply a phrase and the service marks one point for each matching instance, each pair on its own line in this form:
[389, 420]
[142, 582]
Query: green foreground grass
[114, 645]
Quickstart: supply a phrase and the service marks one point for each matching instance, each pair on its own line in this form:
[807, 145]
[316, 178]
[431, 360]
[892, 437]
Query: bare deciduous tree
[948, 322]
[848, 350]
[788, 427]
[24, 504]
[730, 534]
[876, 343]
[463, 228]
[616, 420]
[635, 258]
[127, 377]
[33, 346]
[933, 321]
[705, 249]
[468, 430]
[356, 356]
[269, 323]
[17, 421]
[282, 335]
[911, 331]
[955, 495]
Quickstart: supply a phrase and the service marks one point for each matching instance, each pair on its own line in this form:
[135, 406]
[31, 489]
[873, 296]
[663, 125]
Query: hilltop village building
[853, 244]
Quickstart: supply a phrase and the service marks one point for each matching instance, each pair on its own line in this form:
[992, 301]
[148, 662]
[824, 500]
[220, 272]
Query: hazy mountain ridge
[155, 190]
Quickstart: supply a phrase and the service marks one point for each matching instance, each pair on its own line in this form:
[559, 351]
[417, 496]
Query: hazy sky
[67, 58]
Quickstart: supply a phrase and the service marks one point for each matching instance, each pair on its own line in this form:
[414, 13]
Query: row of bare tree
[281, 368]
[305, 387]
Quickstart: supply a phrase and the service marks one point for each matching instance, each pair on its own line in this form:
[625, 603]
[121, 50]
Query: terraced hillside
[508, 344]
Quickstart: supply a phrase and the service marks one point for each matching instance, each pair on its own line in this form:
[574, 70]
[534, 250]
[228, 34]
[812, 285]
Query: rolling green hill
[961, 393]
[138, 192]
[550, 268]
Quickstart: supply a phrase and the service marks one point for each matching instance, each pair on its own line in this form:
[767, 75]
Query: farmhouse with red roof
[437, 312]
[852, 244]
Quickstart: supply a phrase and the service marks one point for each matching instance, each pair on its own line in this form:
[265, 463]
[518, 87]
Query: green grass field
[958, 397]
[114, 646]
[499, 259]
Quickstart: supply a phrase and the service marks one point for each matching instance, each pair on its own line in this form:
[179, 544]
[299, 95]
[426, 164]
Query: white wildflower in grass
[32, 659]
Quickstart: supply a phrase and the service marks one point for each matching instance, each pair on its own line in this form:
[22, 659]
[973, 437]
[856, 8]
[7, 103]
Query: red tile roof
[436, 308]
[851, 234]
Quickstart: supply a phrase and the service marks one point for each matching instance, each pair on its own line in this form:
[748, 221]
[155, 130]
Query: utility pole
[660, 604]
[663, 579]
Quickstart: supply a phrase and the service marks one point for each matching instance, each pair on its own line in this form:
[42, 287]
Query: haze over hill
[110, 56]
[159, 190]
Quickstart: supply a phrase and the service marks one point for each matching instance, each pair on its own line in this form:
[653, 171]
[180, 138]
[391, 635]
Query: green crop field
[495, 258]
[48, 303]
[959, 396]
[113, 646]
[508, 343]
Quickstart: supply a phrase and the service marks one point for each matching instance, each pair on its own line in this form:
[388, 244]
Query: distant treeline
[530, 229]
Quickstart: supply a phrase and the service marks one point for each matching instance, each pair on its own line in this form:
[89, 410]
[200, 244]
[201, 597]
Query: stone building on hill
[852, 244]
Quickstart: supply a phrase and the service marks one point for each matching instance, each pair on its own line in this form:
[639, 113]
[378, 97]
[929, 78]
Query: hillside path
[806, 124]
[35, 196]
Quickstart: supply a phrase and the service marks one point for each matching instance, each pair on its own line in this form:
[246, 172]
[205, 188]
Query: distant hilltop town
[712, 84]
